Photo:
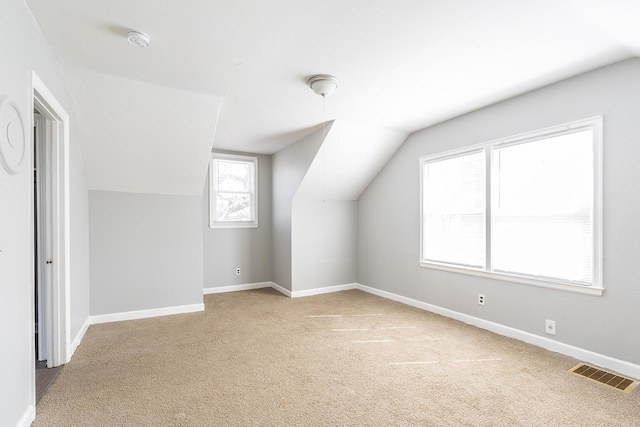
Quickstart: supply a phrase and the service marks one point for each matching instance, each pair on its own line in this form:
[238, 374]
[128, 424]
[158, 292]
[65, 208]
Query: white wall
[324, 208]
[146, 251]
[388, 218]
[24, 48]
[323, 243]
[79, 252]
[289, 167]
[226, 249]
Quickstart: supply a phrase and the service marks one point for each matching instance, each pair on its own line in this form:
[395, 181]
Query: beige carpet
[257, 358]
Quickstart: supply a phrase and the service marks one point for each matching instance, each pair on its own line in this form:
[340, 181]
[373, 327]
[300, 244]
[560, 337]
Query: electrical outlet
[480, 299]
[238, 271]
[550, 327]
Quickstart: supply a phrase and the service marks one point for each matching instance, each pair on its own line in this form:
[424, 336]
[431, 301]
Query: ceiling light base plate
[323, 84]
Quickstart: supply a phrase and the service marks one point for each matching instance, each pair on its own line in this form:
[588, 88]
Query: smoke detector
[138, 38]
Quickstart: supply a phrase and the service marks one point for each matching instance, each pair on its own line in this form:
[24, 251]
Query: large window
[525, 209]
[233, 194]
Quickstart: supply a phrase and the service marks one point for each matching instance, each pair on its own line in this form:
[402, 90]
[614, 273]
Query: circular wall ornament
[13, 141]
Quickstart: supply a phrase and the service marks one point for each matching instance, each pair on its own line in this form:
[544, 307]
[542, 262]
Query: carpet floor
[257, 358]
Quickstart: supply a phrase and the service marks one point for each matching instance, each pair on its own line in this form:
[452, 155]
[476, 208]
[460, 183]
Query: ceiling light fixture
[323, 84]
[138, 38]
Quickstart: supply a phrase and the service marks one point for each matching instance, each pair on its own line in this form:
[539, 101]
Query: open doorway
[51, 297]
[43, 253]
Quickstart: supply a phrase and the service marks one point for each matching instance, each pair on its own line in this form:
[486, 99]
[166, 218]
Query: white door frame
[57, 136]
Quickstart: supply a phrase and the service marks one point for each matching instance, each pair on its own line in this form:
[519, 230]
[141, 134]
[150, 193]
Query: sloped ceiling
[351, 155]
[403, 65]
[138, 137]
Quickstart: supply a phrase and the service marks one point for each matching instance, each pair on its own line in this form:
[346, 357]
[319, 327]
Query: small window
[525, 209]
[233, 191]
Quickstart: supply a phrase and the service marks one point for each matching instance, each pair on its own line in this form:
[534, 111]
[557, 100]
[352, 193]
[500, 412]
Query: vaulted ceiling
[403, 64]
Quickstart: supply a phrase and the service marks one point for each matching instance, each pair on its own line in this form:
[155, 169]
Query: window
[233, 191]
[454, 214]
[524, 209]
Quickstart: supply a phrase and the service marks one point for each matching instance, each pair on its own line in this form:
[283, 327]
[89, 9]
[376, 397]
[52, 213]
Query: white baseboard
[325, 290]
[311, 292]
[281, 289]
[617, 365]
[235, 288]
[28, 417]
[295, 294]
[78, 339]
[143, 314]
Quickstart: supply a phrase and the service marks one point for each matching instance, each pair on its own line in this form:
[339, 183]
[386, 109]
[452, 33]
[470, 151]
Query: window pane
[233, 207]
[454, 210]
[234, 176]
[233, 191]
[543, 207]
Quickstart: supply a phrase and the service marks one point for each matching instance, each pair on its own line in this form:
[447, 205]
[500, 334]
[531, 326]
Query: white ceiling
[138, 137]
[351, 155]
[403, 64]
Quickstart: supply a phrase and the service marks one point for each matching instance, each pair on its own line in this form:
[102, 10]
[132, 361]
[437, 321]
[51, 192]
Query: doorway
[51, 344]
[43, 250]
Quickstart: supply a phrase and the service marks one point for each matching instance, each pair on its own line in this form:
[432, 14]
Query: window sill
[234, 225]
[578, 289]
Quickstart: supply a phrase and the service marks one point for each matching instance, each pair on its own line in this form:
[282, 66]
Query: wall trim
[325, 290]
[275, 286]
[235, 288]
[144, 314]
[281, 289]
[617, 365]
[28, 417]
[78, 339]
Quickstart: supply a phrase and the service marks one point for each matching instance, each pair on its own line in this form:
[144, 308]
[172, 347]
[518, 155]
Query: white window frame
[213, 191]
[596, 125]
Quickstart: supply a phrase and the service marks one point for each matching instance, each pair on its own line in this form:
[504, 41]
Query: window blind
[454, 229]
[543, 208]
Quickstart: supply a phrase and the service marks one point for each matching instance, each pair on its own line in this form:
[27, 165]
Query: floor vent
[604, 377]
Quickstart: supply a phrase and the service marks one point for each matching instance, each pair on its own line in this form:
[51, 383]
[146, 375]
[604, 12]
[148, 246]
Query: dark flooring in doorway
[44, 378]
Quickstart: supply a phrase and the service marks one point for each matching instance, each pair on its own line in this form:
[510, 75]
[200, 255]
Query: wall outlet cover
[550, 327]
